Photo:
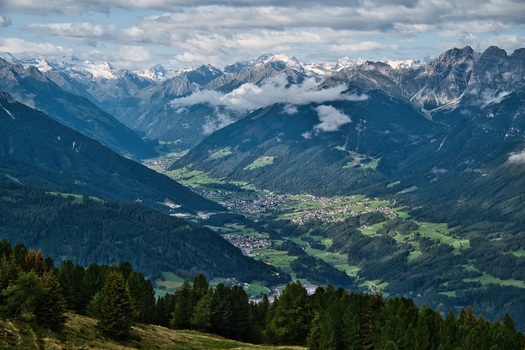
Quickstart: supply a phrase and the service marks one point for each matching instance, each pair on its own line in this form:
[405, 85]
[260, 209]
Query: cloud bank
[517, 158]
[331, 119]
[250, 96]
[224, 31]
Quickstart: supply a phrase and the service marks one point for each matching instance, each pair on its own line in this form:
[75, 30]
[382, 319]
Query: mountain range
[444, 139]
[342, 126]
[37, 151]
[30, 87]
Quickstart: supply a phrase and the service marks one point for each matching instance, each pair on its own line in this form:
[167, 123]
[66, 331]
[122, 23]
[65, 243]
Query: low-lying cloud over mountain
[250, 96]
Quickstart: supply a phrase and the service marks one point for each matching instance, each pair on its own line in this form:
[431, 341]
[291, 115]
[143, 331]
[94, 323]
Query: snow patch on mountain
[406, 64]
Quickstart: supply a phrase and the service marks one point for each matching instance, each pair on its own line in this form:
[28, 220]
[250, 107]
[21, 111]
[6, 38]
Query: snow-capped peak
[103, 70]
[406, 64]
[326, 68]
[290, 61]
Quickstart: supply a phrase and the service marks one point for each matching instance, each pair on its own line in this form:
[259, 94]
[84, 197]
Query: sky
[138, 34]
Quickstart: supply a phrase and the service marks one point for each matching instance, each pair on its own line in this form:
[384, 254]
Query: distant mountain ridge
[31, 87]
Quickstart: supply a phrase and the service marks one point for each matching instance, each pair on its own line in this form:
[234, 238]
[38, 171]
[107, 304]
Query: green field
[260, 162]
[78, 198]
[168, 283]
[519, 253]
[278, 258]
[413, 255]
[487, 279]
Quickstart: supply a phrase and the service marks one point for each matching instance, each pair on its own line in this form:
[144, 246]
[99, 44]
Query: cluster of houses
[248, 244]
[260, 205]
[332, 214]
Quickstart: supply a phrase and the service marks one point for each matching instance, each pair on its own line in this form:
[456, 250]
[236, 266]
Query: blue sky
[138, 34]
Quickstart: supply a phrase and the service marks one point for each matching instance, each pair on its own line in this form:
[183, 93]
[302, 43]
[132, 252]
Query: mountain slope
[30, 140]
[31, 87]
[151, 114]
[111, 232]
[475, 169]
[325, 149]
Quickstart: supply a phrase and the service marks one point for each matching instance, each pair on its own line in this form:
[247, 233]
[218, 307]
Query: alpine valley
[402, 177]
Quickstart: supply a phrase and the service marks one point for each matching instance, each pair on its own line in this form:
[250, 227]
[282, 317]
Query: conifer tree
[116, 311]
[142, 297]
[288, 321]
[51, 305]
[315, 333]
[21, 296]
[202, 314]
[184, 308]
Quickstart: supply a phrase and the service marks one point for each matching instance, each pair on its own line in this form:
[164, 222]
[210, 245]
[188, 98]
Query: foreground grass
[81, 332]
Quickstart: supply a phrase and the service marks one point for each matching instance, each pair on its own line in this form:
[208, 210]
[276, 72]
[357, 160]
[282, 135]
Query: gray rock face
[455, 85]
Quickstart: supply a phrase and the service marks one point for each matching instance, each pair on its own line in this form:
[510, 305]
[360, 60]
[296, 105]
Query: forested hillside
[322, 149]
[88, 230]
[38, 151]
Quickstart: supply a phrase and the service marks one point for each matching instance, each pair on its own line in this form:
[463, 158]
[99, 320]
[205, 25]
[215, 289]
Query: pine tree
[288, 321]
[116, 311]
[21, 296]
[203, 312]
[142, 297]
[315, 333]
[51, 305]
[184, 308]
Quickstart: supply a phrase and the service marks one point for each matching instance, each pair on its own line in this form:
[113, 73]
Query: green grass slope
[81, 332]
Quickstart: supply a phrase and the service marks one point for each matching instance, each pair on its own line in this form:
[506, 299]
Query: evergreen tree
[221, 318]
[202, 315]
[116, 311]
[94, 308]
[51, 305]
[184, 308]
[262, 311]
[288, 321]
[21, 296]
[142, 297]
[5, 248]
[315, 333]
[9, 271]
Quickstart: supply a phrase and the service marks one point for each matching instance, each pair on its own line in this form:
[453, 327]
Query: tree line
[34, 290]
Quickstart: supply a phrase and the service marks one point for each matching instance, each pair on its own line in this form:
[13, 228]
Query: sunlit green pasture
[487, 279]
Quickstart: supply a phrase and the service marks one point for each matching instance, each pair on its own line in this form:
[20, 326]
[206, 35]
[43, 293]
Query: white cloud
[490, 96]
[79, 32]
[363, 46]
[290, 109]
[331, 119]
[517, 158]
[193, 32]
[215, 124]
[250, 97]
[4, 21]
[17, 46]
